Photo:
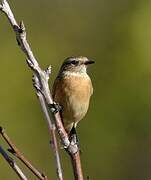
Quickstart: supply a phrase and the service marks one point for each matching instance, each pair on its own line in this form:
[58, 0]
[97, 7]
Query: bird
[72, 90]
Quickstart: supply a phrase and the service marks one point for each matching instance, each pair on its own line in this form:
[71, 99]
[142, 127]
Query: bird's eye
[74, 62]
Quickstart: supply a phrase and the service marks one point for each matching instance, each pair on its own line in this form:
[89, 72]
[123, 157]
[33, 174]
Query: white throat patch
[78, 74]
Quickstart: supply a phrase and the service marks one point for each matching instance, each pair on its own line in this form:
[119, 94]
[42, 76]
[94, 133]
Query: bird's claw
[55, 107]
[74, 139]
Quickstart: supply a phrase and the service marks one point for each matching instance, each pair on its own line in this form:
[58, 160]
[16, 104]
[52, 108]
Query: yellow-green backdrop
[115, 135]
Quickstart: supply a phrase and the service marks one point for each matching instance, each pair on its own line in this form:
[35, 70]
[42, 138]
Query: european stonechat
[72, 89]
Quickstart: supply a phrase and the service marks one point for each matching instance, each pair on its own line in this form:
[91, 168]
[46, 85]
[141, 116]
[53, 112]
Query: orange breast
[73, 94]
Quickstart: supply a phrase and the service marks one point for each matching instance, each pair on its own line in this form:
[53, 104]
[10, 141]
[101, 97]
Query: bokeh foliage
[115, 135]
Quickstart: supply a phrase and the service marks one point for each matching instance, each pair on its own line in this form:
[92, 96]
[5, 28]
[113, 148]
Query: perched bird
[72, 89]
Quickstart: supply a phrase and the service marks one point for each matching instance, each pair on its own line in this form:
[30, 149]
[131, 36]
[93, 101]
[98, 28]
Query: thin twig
[13, 164]
[51, 126]
[13, 149]
[44, 93]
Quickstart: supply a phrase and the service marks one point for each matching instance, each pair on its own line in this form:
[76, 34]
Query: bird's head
[76, 64]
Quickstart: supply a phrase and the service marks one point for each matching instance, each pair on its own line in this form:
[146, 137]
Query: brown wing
[54, 91]
[54, 88]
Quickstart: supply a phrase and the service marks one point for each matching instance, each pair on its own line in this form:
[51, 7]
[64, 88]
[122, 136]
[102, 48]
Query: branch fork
[13, 150]
[40, 79]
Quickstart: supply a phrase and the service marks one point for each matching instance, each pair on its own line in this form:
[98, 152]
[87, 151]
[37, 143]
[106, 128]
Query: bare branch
[13, 164]
[51, 126]
[33, 64]
[13, 149]
[45, 98]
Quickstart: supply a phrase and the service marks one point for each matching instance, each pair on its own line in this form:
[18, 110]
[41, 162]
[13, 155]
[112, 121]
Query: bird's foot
[55, 107]
[74, 138]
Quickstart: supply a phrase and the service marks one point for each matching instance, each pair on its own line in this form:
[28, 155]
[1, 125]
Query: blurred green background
[115, 135]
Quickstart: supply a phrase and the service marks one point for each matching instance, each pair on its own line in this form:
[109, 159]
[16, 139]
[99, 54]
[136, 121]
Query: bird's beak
[89, 62]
